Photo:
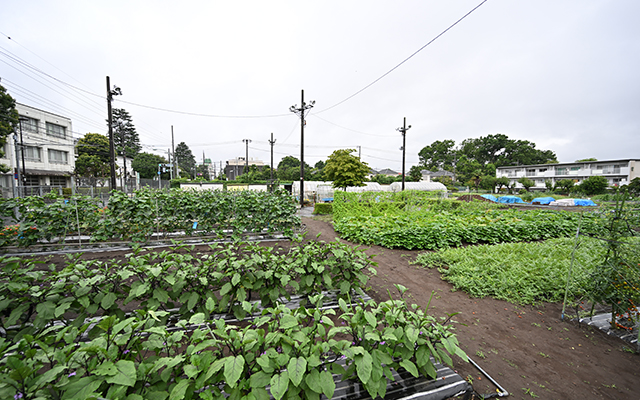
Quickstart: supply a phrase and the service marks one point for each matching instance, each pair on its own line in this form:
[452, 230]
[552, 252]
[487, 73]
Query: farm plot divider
[137, 356]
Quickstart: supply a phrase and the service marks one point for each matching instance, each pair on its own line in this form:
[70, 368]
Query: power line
[403, 61]
[201, 114]
[349, 129]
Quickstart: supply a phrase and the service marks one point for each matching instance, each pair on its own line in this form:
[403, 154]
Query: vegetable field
[179, 324]
[137, 217]
[417, 220]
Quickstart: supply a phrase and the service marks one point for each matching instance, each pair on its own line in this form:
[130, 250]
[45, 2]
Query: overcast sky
[563, 74]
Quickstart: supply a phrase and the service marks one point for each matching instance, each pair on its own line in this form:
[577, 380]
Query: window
[55, 130]
[29, 124]
[5, 150]
[58, 157]
[561, 171]
[58, 181]
[542, 170]
[531, 172]
[32, 153]
[575, 168]
[32, 180]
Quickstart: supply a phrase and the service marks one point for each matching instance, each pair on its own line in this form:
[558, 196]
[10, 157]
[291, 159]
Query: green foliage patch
[523, 273]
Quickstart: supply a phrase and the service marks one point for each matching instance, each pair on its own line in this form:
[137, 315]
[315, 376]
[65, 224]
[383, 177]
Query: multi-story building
[235, 167]
[617, 172]
[45, 143]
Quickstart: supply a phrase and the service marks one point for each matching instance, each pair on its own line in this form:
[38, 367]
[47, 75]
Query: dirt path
[529, 351]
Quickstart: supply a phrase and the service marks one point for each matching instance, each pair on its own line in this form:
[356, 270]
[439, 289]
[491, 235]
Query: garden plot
[156, 352]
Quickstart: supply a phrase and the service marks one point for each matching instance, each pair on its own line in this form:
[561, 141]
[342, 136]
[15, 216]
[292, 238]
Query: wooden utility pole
[112, 151]
[246, 158]
[403, 130]
[300, 111]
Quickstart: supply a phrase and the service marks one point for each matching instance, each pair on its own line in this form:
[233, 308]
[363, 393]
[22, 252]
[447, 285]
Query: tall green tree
[527, 183]
[289, 169]
[125, 136]
[415, 173]
[501, 151]
[93, 157]
[594, 184]
[146, 164]
[184, 158]
[8, 121]
[439, 155]
[345, 169]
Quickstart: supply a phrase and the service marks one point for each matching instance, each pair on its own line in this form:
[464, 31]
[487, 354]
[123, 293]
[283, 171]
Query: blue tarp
[510, 199]
[583, 202]
[543, 200]
[489, 197]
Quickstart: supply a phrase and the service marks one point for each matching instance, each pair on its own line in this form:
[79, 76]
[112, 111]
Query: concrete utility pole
[246, 158]
[403, 130]
[173, 152]
[18, 172]
[24, 169]
[271, 142]
[300, 111]
[359, 150]
[112, 152]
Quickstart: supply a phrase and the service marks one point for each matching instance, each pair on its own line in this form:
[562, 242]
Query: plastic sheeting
[584, 202]
[543, 200]
[573, 202]
[490, 197]
[426, 186]
[510, 199]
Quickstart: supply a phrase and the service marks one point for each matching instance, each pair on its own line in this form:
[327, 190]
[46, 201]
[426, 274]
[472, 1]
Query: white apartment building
[46, 147]
[617, 172]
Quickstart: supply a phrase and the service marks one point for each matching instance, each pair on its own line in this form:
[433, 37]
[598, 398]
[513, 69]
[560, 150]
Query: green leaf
[364, 366]
[46, 310]
[259, 380]
[197, 319]
[297, 368]
[411, 333]
[125, 374]
[371, 319]
[233, 368]
[409, 366]
[313, 381]
[288, 321]
[327, 384]
[161, 295]
[61, 309]
[279, 384]
[235, 279]
[342, 304]
[210, 305]
[50, 375]
[179, 390]
[82, 388]
[422, 356]
[108, 300]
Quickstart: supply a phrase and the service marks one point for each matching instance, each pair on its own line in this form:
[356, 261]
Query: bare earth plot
[529, 351]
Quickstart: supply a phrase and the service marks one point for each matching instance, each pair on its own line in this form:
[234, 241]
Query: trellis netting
[423, 186]
[608, 296]
[319, 191]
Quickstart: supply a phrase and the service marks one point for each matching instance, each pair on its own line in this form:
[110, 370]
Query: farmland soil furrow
[528, 350]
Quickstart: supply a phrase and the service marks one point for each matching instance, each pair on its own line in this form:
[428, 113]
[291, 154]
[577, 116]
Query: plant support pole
[573, 257]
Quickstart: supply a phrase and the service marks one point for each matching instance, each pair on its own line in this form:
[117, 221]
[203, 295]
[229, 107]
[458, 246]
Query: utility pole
[15, 141]
[300, 111]
[403, 130]
[112, 152]
[272, 142]
[173, 152]
[359, 150]
[246, 158]
[24, 171]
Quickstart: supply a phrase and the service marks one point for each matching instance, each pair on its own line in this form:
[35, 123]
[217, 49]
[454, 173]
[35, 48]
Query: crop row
[31, 296]
[65, 335]
[137, 216]
[445, 224]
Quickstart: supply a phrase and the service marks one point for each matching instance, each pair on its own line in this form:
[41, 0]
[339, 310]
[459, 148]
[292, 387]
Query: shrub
[323, 208]
[594, 185]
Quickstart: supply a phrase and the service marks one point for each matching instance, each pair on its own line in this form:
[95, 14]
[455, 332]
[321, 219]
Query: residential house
[235, 167]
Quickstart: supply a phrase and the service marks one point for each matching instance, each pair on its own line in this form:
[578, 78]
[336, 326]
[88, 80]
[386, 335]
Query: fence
[607, 294]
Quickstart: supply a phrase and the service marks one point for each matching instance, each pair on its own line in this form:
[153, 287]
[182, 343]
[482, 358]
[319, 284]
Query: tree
[565, 184]
[146, 164]
[8, 121]
[526, 182]
[594, 185]
[125, 137]
[439, 155]
[184, 158]
[548, 184]
[345, 169]
[501, 151]
[587, 159]
[634, 187]
[503, 181]
[488, 182]
[289, 169]
[93, 157]
[415, 173]
[203, 171]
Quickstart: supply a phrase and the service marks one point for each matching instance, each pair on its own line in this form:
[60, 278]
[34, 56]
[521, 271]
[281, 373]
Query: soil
[528, 350]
